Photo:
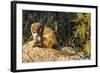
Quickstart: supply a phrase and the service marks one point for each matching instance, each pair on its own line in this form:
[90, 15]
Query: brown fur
[35, 26]
[48, 38]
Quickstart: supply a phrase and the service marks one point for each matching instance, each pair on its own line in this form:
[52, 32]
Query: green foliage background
[73, 29]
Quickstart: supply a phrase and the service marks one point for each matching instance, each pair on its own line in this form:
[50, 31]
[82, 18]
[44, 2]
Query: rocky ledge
[36, 54]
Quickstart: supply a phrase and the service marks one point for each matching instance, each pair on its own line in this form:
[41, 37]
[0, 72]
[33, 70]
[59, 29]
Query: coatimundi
[43, 36]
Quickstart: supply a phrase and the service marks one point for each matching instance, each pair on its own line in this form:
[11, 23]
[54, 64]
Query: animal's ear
[41, 28]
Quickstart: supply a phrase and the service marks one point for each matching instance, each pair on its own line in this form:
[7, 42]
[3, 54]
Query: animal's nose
[34, 31]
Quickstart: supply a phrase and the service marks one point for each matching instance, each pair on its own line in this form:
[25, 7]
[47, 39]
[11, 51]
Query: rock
[68, 50]
[81, 54]
[75, 57]
[36, 54]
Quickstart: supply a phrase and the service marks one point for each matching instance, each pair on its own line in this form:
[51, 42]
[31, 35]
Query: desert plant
[81, 33]
[87, 49]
